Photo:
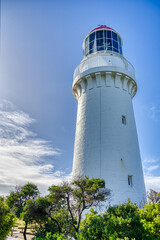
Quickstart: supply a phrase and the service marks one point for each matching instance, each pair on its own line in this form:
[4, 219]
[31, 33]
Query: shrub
[7, 219]
[55, 236]
[150, 217]
[118, 222]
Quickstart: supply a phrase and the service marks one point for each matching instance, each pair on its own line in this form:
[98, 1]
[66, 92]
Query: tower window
[103, 40]
[123, 119]
[130, 182]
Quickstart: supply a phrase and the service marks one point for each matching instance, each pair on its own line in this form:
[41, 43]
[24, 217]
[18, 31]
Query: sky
[41, 45]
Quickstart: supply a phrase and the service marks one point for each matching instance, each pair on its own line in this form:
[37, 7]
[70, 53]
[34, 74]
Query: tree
[118, 222]
[49, 217]
[40, 210]
[7, 219]
[18, 199]
[153, 196]
[79, 195]
[150, 217]
[61, 210]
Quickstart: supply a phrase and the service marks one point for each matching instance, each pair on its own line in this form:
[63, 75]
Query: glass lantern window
[103, 40]
[119, 41]
[109, 42]
[99, 34]
[100, 42]
[87, 41]
[114, 36]
[91, 45]
[115, 44]
[92, 37]
[108, 34]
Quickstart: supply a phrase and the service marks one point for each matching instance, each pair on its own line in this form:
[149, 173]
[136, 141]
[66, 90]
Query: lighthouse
[106, 143]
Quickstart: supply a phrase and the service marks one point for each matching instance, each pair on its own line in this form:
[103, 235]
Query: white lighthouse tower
[106, 143]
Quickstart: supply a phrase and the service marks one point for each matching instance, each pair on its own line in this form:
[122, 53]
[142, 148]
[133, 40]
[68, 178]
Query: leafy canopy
[7, 219]
[18, 198]
[117, 222]
[79, 195]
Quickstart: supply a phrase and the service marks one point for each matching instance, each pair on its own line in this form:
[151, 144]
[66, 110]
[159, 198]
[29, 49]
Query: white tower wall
[104, 85]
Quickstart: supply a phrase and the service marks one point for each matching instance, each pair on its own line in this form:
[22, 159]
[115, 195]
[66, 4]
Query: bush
[118, 222]
[7, 219]
[48, 227]
[55, 236]
[150, 217]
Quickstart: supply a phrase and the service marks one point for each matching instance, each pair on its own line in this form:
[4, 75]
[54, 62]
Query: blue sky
[41, 45]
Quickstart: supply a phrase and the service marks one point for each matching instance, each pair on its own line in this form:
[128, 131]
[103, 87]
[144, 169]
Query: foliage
[79, 195]
[7, 219]
[49, 216]
[150, 217]
[153, 196]
[117, 222]
[61, 210]
[58, 215]
[55, 236]
[47, 227]
[18, 199]
[35, 210]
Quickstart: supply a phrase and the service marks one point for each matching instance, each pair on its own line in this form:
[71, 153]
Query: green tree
[79, 195]
[61, 210]
[7, 219]
[150, 217]
[40, 211]
[117, 222]
[18, 199]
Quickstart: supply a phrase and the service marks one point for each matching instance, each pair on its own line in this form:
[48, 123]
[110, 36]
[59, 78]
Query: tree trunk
[25, 230]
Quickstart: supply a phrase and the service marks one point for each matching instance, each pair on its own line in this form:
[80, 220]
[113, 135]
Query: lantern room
[103, 39]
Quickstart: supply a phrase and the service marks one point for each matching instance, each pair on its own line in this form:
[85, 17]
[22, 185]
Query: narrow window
[130, 182]
[123, 119]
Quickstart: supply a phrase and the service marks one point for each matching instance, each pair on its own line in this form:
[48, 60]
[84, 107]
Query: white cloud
[150, 165]
[152, 182]
[154, 112]
[22, 154]
[152, 168]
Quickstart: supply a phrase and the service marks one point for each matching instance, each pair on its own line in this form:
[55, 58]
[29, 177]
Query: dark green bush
[7, 219]
[117, 222]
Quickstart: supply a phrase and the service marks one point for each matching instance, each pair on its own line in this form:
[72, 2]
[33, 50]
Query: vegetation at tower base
[18, 199]
[117, 222]
[7, 219]
[122, 222]
[65, 204]
[49, 214]
[81, 194]
[150, 217]
[54, 219]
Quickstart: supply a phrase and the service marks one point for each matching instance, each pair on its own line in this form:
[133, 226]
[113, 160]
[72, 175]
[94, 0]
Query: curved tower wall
[106, 146]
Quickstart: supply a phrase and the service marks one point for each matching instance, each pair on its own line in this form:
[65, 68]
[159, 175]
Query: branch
[69, 209]
[53, 219]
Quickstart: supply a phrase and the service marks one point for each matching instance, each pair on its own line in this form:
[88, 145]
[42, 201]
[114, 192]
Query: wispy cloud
[22, 153]
[150, 165]
[153, 112]
[152, 181]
